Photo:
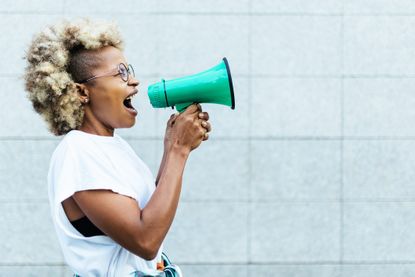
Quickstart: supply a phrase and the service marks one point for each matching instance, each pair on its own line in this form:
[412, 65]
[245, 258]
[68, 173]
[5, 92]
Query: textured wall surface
[312, 174]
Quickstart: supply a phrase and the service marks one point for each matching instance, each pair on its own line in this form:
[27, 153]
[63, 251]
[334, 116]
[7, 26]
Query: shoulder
[123, 142]
[71, 144]
[74, 137]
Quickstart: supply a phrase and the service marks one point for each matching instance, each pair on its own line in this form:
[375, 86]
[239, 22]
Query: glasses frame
[129, 69]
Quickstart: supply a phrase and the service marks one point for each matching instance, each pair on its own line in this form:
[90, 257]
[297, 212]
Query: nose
[133, 81]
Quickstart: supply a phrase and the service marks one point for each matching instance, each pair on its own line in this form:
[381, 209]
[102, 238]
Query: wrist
[178, 150]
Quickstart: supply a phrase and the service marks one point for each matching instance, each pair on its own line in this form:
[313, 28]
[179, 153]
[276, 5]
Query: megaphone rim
[228, 70]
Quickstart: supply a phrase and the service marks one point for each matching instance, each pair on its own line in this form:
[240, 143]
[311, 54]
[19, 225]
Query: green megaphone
[211, 86]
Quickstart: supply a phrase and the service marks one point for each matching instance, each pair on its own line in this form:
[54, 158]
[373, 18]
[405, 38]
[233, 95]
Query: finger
[209, 127]
[169, 122]
[206, 125]
[206, 136]
[204, 115]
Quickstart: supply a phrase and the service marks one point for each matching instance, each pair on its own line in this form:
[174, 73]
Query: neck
[93, 126]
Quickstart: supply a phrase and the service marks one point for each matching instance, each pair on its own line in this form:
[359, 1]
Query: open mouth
[127, 101]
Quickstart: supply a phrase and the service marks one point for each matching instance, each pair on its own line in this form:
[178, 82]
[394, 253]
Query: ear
[83, 92]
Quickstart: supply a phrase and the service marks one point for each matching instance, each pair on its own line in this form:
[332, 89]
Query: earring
[86, 100]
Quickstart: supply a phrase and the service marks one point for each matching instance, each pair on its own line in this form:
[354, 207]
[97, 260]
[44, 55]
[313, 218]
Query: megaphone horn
[210, 86]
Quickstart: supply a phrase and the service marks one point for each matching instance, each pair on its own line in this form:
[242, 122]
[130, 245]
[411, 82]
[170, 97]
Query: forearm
[157, 216]
[163, 161]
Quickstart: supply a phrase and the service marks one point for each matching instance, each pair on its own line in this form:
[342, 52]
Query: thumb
[172, 118]
[194, 108]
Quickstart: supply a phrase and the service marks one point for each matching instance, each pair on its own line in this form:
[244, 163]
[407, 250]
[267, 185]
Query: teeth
[130, 97]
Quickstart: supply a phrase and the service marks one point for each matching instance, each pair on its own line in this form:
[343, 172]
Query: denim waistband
[170, 270]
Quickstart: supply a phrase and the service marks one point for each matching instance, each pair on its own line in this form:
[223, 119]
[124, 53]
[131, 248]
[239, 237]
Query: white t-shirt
[85, 161]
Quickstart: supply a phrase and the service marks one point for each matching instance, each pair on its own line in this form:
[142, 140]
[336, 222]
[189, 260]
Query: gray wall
[311, 175]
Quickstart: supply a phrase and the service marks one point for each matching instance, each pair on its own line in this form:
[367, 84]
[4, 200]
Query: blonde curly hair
[59, 56]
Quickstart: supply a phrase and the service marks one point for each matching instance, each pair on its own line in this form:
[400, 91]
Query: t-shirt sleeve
[85, 168]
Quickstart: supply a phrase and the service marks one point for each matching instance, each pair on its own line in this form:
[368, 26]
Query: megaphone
[210, 86]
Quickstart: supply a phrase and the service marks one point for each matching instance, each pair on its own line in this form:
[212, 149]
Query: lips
[132, 93]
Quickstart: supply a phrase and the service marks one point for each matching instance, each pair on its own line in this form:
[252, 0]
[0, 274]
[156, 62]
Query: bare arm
[163, 161]
[119, 216]
[159, 213]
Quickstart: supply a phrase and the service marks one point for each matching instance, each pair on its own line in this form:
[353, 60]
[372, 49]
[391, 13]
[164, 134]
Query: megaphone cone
[210, 86]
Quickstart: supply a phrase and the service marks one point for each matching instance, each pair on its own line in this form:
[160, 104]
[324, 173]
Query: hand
[168, 134]
[188, 129]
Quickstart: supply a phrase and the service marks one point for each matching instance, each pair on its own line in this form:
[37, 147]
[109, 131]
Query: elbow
[147, 250]
[149, 254]
[147, 243]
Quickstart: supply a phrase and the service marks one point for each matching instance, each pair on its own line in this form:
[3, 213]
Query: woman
[110, 214]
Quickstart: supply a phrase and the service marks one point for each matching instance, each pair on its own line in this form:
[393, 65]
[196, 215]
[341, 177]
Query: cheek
[110, 96]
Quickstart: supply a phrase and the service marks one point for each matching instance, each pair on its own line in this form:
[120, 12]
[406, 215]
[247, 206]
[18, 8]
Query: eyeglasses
[123, 71]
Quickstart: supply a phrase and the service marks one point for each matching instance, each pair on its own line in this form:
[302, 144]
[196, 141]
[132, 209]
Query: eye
[123, 72]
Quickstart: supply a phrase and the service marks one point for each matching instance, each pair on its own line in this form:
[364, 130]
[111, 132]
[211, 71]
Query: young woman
[110, 214]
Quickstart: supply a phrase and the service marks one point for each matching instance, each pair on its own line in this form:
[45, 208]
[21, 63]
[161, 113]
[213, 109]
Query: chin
[131, 124]
[124, 125]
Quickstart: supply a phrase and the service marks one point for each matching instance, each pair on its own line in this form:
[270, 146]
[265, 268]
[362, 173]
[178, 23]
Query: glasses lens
[123, 72]
[131, 70]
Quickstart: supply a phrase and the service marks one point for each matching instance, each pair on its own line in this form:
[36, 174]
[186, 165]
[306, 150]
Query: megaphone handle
[183, 106]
